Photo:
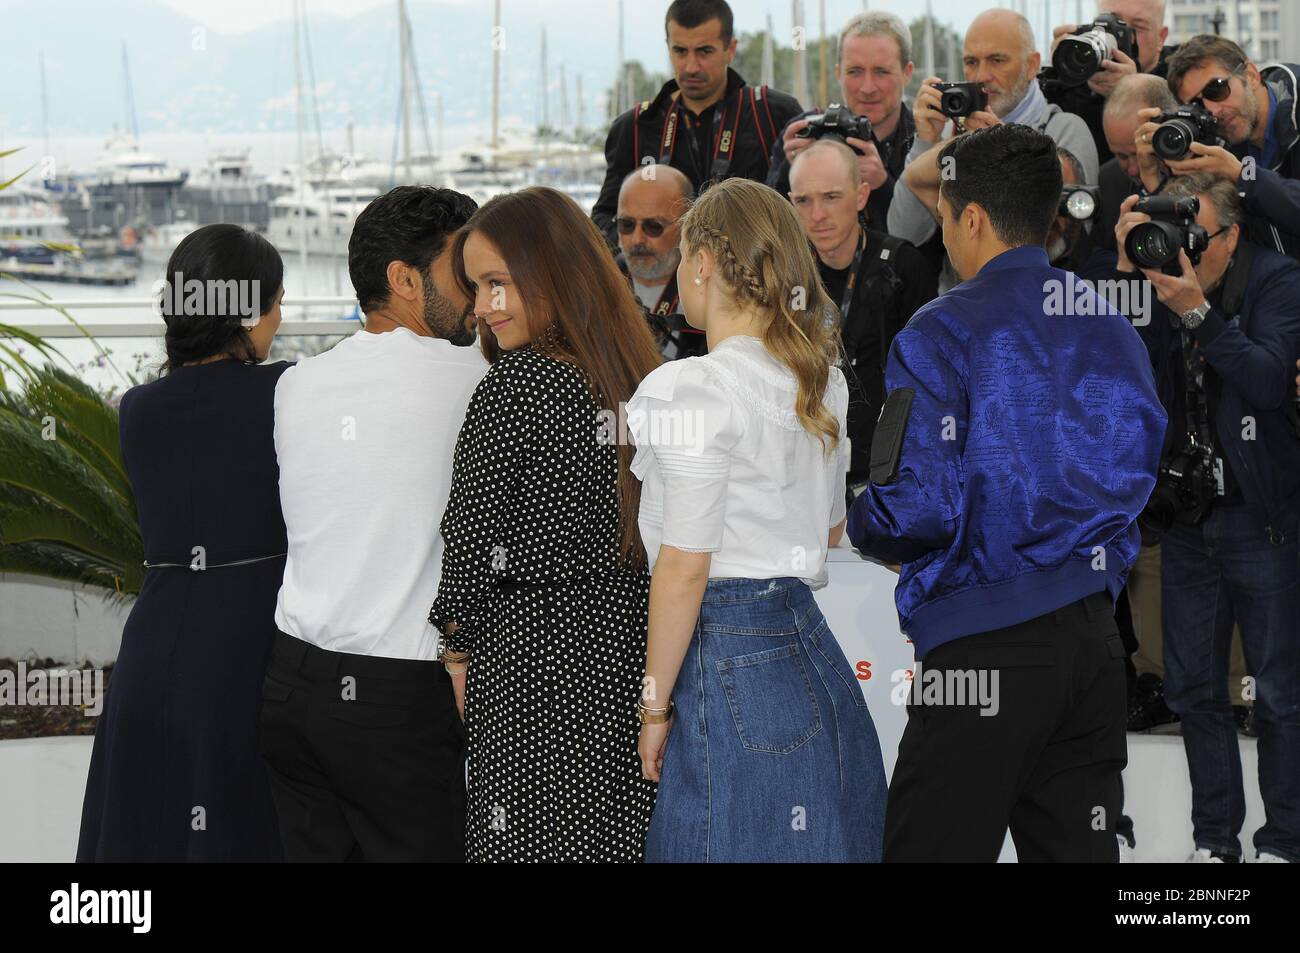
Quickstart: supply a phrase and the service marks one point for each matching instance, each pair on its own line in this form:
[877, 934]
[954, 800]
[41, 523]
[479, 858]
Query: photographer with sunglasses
[1256, 113]
[651, 201]
[1222, 341]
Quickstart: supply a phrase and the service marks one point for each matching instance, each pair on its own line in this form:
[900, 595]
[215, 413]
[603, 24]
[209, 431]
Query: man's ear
[402, 280]
[864, 193]
[1035, 63]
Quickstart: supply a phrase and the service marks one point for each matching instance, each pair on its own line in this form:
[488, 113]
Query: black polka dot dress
[556, 629]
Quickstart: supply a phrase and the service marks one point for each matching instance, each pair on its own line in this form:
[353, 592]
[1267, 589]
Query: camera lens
[1078, 57]
[1173, 140]
[1152, 244]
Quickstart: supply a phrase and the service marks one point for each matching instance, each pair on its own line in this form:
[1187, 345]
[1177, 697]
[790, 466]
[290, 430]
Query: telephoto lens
[1078, 57]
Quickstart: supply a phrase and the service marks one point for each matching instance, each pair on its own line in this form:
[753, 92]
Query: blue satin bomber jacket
[1031, 447]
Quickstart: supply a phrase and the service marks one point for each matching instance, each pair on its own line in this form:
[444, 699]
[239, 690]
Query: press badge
[1218, 475]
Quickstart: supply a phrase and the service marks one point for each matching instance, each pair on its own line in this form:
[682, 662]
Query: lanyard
[724, 139]
[846, 300]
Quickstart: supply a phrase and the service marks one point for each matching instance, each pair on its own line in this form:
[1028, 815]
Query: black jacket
[893, 154]
[1272, 197]
[894, 281]
[1250, 340]
[1087, 105]
[747, 120]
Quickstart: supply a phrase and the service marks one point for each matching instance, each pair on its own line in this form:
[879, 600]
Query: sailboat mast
[45, 108]
[497, 40]
[403, 40]
[302, 158]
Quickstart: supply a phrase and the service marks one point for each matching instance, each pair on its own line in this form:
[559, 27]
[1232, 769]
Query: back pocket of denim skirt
[771, 699]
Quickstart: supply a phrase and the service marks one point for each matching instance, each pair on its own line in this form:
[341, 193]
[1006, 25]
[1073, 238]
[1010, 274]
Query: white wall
[57, 620]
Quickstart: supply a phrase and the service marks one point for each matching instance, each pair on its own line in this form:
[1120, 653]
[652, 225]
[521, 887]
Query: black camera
[1186, 488]
[838, 122]
[1180, 127]
[958, 100]
[1155, 244]
[1079, 55]
[1078, 202]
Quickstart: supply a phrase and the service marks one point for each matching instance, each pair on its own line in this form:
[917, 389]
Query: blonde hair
[764, 258]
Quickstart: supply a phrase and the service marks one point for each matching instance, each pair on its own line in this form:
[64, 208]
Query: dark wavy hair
[217, 255]
[411, 224]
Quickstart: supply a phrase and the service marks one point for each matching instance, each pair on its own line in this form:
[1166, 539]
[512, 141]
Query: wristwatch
[1192, 319]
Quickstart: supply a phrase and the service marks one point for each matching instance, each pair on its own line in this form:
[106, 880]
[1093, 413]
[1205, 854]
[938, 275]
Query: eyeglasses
[653, 227]
[1217, 89]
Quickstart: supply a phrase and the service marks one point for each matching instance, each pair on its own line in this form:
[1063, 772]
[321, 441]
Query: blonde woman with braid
[752, 721]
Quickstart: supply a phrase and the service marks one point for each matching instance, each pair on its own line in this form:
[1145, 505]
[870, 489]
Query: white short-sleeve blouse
[726, 468]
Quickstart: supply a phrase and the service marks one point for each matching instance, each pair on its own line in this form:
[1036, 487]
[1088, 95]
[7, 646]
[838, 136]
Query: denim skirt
[773, 755]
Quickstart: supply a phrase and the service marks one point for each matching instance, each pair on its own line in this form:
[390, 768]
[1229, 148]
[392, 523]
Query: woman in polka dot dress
[544, 589]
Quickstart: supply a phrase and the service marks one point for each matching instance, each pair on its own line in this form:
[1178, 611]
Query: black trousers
[1045, 762]
[366, 756]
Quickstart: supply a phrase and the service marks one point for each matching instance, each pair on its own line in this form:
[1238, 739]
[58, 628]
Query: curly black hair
[411, 224]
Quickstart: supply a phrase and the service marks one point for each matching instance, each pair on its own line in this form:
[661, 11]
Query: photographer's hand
[870, 165]
[1178, 293]
[1127, 219]
[1149, 165]
[1058, 32]
[1214, 159]
[982, 119]
[929, 121]
[1104, 81]
[791, 144]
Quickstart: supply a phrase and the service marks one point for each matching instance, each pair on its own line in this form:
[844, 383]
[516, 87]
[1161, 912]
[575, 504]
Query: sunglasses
[1217, 89]
[653, 227]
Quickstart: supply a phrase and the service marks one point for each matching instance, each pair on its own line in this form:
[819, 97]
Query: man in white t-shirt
[359, 726]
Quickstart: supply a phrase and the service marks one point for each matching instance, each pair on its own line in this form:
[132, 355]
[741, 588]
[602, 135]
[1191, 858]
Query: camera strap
[723, 136]
[846, 299]
[1195, 404]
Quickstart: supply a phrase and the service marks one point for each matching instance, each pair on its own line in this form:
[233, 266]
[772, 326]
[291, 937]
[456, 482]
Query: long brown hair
[574, 291]
[764, 259]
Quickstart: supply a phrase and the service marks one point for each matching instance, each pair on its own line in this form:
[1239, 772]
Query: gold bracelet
[654, 716]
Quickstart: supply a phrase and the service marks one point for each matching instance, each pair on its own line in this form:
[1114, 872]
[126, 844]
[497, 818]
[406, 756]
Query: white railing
[157, 328]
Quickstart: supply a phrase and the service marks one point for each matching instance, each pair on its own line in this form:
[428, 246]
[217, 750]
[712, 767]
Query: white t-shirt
[726, 467]
[365, 434]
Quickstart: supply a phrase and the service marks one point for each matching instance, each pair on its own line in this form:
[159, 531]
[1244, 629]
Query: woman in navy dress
[176, 774]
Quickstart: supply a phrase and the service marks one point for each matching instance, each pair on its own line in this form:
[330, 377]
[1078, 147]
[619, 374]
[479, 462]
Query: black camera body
[1080, 55]
[839, 123]
[1182, 126]
[1155, 244]
[958, 100]
[1186, 487]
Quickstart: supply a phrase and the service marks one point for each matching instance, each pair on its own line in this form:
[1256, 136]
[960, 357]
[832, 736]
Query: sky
[237, 16]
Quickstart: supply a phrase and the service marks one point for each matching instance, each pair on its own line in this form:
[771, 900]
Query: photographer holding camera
[1227, 500]
[1000, 65]
[873, 68]
[1253, 109]
[1089, 60]
[1134, 169]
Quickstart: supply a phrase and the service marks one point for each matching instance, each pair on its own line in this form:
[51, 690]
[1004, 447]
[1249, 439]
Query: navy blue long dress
[176, 774]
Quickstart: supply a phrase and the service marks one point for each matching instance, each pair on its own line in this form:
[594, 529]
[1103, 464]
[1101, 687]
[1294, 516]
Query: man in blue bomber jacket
[1019, 442]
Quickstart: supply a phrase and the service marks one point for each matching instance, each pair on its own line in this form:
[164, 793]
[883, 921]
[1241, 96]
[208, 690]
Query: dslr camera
[1079, 55]
[959, 100]
[1186, 487]
[1180, 127]
[839, 123]
[1155, 244]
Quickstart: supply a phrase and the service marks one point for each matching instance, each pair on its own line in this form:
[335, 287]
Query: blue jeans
[773, 755]
[1227, 570]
